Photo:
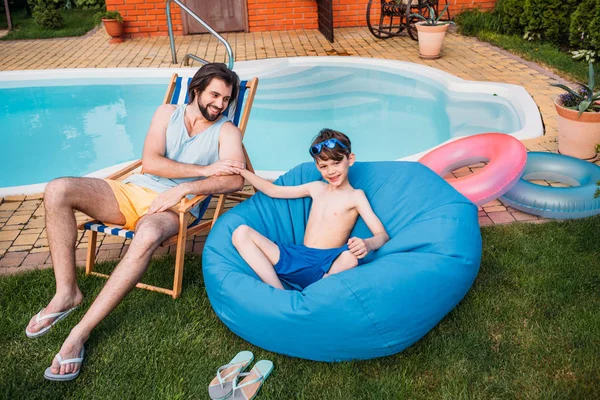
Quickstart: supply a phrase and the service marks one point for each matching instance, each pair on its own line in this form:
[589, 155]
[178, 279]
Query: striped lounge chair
[177, 94]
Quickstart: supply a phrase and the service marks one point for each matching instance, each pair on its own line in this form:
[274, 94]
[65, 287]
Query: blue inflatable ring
[556, 202]
[373, 310]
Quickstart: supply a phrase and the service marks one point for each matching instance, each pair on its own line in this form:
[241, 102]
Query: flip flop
[221, 386]
[65, 377]
[253, 380]
[58, 316]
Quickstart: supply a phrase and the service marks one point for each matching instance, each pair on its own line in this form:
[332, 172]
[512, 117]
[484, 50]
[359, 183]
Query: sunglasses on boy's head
[329, 143]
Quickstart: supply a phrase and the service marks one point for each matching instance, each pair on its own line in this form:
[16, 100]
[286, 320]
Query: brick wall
[302, 14]
[142, 18]
[148, 17]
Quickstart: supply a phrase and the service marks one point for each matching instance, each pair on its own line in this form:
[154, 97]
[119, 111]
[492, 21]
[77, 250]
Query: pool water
[387, 116]
[53, 131]
[76, 129]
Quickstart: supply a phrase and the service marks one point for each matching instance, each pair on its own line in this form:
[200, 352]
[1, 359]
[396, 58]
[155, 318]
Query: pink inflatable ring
[505, 155]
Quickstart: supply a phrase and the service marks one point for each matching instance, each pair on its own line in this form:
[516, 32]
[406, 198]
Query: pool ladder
[205, 25]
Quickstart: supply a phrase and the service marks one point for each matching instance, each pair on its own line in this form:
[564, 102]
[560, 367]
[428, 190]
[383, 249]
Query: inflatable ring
[379, 308]
[556, 202]
[506, 157]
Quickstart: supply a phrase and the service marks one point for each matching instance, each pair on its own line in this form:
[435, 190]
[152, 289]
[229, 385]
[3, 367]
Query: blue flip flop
[221, 386]
[248, 388]
[57, 317]
[48, 374]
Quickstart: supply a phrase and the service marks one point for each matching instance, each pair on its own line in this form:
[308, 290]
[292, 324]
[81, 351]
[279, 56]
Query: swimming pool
[80, 122]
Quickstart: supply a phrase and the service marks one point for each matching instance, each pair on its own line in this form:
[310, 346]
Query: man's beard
[206, 114]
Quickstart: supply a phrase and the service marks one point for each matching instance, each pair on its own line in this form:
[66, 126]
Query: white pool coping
[517, 96]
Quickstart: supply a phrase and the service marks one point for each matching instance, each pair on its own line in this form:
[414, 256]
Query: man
[189, 149]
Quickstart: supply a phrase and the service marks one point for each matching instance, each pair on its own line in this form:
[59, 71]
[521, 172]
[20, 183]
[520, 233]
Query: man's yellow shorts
[134, 202]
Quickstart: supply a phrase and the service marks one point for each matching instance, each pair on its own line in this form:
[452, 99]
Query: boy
[335, 209]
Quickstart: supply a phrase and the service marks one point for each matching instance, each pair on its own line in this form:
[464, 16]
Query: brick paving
[23, 242]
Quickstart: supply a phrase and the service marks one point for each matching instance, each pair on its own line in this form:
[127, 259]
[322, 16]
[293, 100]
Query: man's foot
[71, 349]
[38, 325]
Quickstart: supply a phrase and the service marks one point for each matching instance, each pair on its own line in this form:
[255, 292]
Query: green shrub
[46, 14]
[548, 20]
[89, 4]
[509, 14]
[579, 31]
[594, 28]
[107, 15]
[471, 22]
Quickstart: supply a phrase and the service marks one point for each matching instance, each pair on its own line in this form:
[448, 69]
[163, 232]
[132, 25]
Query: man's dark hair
[207, 73]
[338, 152]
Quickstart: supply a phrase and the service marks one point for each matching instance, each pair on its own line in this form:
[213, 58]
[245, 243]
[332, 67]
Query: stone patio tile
[19, 198]
[494, 209]
[6, 213]
[6, 228]
[12, 259]
[41, 242]
[112, 239]
[18, 220]
[492, 203]
[111, 246]
[107, 255]
[8, 235]
[37, 196]
[521, 216]
[35, 223]
[39, 249]
[502, 217]
[485, 221]
[36, 259]
[81, 254]
[23, 240]
[19, 248]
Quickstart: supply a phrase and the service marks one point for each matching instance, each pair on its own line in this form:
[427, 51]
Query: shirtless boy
[327, 248]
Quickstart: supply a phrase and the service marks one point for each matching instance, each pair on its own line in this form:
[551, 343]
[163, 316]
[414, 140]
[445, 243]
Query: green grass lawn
[485, 26]
[529, 328]
[77, 23]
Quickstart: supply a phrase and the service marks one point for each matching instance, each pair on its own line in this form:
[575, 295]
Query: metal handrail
[205, 25]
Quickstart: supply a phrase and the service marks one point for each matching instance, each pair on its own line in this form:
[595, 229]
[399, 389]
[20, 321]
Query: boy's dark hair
[338, 152]
[207, 73]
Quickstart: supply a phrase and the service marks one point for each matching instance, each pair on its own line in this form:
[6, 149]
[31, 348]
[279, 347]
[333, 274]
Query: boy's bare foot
[57, 304]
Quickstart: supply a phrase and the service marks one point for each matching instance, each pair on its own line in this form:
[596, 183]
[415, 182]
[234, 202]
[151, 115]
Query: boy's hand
[358, 247]
[224, 167]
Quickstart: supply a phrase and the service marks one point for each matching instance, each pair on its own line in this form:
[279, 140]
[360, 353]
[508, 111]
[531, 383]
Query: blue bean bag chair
[380, 308]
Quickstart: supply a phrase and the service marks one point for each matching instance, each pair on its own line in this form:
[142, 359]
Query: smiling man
[190, 149]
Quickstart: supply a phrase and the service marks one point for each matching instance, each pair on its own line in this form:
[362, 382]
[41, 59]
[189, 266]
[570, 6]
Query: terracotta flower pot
[113, 27]
[431, 38]
[577, 136]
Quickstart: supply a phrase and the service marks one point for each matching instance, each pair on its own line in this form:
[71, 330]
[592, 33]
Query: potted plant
[579, 119]
[113, 23]
[431, 32]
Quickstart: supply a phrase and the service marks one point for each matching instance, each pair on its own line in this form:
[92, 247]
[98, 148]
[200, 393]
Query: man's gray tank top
[200, 149]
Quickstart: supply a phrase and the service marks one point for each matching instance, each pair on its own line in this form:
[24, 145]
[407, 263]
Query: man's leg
[93, 197]
[151, 231]
[259, 252]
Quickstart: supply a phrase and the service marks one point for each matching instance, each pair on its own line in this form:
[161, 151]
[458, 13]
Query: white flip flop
[57, 317]
[48, 374]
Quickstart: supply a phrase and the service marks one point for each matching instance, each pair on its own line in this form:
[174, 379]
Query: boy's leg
[345, 261]
[259, 252]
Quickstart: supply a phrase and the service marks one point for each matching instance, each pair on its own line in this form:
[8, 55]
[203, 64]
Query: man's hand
[224, 167]
[167, 199]
[358, 247]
